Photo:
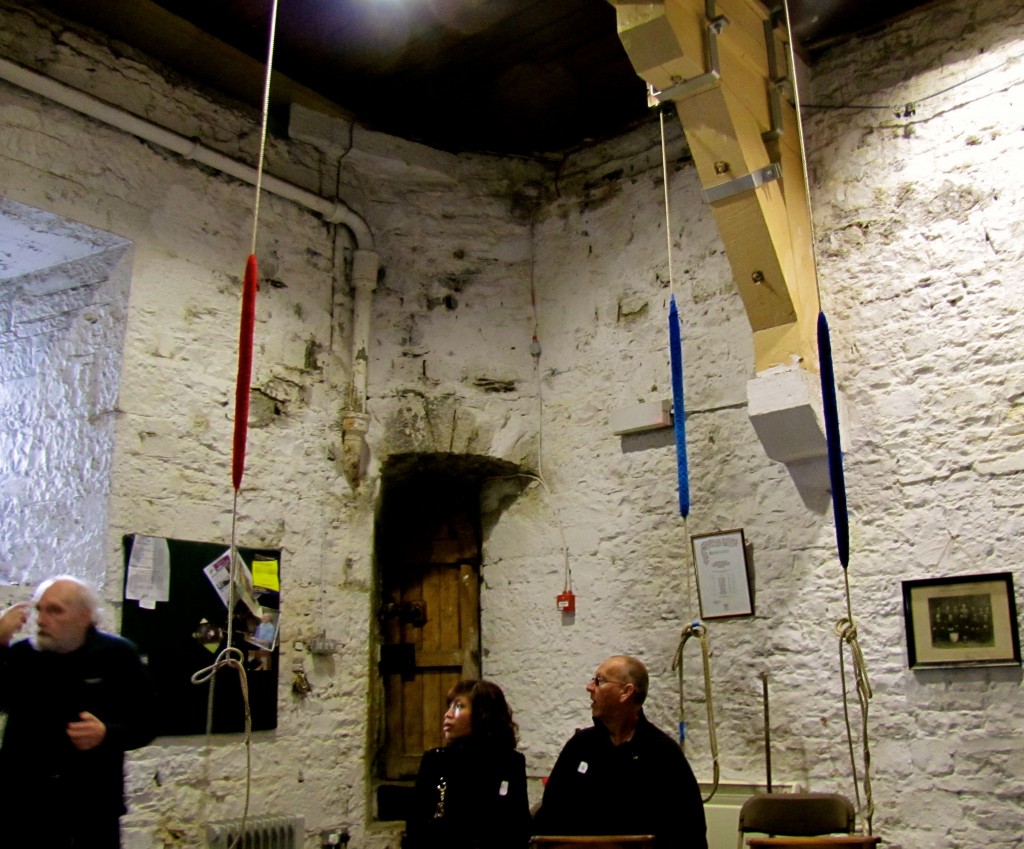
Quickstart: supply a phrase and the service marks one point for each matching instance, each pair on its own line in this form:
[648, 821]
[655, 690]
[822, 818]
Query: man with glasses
[623, 776]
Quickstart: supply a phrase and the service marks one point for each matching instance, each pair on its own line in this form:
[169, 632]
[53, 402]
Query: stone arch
[422, 424]
[429, 556]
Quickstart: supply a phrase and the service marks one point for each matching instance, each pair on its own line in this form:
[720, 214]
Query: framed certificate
[723, 583]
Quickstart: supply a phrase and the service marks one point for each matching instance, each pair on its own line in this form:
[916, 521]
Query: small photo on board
[264, 630]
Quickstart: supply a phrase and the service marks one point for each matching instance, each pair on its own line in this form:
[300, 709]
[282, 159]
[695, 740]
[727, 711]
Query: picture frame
[966, 620]
[723, 581]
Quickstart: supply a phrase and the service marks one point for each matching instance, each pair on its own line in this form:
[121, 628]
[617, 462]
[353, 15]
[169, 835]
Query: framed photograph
[723, 583]
[964, 621]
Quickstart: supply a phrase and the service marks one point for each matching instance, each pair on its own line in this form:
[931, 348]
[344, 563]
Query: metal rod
[767, 732]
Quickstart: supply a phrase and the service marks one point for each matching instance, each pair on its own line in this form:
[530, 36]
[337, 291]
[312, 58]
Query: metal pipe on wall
[365, 261]
[355, 421]
[333, 211]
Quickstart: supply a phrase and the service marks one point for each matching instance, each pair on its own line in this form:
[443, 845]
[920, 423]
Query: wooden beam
[726, 117]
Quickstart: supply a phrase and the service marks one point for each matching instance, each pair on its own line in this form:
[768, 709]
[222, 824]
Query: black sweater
[42, 692]
[643, 786]
[485, 803]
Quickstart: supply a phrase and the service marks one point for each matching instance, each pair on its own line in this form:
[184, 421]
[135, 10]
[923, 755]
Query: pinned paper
[149, 571]
[264, 636]
[219, 574]
[244, 586]
[265, 575]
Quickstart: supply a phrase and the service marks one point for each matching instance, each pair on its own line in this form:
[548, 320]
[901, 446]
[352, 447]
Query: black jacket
[485, 803]
[41, 691]
[643, 786]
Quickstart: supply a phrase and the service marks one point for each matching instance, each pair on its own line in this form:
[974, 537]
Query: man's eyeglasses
[597, 681]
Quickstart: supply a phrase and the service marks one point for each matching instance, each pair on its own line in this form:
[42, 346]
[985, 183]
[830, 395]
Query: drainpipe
[365, 262]
[355, 421]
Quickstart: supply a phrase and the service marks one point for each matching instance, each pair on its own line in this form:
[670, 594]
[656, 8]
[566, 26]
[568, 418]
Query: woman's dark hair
[490, 716]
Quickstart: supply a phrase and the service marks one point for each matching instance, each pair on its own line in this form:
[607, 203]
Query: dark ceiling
[526, 77]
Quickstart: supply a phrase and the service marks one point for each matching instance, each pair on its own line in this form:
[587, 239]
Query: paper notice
[219, 574]
[149, 571]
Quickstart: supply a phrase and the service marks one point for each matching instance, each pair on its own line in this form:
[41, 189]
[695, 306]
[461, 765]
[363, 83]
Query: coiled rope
[846, 630]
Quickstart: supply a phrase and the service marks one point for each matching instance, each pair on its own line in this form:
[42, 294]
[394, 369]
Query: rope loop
[846, 630]
[231, 657]
[696, 629]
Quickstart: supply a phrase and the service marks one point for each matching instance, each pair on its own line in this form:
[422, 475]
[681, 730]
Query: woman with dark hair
[471, 793]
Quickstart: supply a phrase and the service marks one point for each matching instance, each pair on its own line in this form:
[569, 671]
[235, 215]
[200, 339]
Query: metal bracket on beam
[776, 81]
[681, 91]
[746, 183]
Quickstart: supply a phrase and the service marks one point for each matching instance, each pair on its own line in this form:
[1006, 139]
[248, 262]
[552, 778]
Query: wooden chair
[798, 815]
[613, 841]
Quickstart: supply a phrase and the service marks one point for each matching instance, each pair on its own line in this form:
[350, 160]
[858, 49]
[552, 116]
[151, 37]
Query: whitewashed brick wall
[919, 240]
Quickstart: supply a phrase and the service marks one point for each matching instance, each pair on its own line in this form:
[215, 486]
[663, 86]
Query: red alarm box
[566, 602]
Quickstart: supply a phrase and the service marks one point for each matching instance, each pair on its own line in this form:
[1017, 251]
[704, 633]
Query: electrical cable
[535, 352]
[910, 107]
[558, 521]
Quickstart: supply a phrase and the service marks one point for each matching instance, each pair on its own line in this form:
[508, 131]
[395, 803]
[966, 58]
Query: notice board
[185, 633]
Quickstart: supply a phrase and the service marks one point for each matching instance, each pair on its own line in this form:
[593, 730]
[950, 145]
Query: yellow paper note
[264, 575]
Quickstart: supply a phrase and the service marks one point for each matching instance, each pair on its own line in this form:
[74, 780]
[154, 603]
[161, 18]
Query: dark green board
[165, 638]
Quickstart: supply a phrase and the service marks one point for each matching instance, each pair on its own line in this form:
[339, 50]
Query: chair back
[796, 815]
[617, 841]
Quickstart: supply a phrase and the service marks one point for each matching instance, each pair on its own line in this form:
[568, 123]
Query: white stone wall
[191, 228]
[63, 297]
[918, 223]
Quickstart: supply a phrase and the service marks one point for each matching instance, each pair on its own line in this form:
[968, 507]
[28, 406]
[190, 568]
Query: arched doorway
[429, 556]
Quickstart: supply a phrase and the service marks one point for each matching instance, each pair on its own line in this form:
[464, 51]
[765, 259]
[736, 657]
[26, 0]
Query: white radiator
[265, 832]
[723, 811]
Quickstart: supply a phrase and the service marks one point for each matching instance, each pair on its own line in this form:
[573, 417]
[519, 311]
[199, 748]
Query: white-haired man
[76, 699]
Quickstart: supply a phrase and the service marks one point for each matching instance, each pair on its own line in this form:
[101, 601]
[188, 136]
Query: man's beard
[43, 642]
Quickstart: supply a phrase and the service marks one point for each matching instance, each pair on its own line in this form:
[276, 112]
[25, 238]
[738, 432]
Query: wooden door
[430, 630]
